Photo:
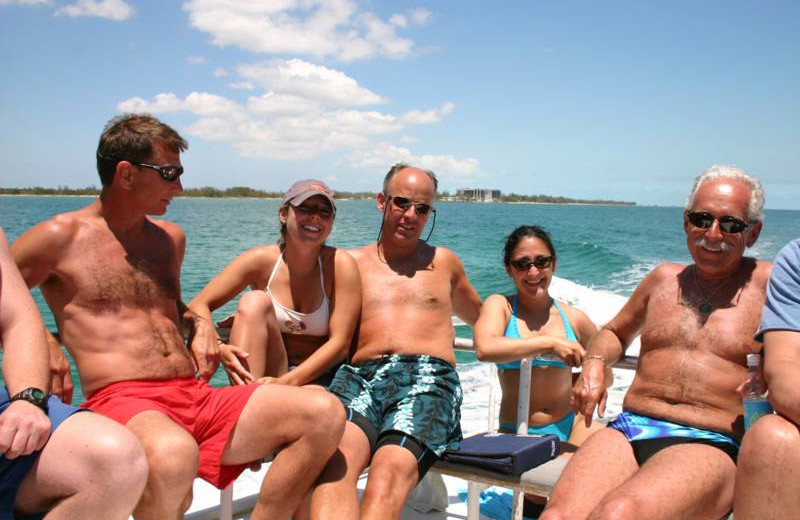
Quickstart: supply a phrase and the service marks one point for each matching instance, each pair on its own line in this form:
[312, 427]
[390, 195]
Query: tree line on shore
[243, 191]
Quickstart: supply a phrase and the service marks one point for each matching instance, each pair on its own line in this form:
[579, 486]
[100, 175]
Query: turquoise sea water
[607, 248]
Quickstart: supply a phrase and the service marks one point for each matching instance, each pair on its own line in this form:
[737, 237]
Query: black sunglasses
[525, 263]
[323, 211]
[403, 203]
[167, 172]
[727, 224]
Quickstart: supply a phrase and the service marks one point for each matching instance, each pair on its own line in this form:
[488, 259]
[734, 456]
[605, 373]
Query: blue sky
[615, 100]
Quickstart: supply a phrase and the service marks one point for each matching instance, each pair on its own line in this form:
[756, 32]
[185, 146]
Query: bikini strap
[274, 270]
[512, 322]
[321, 278]
[570, 333]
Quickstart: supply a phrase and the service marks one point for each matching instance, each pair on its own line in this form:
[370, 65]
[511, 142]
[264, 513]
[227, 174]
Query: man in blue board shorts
[672, 452]
[74, 465]
[400, 390]
[767, 481]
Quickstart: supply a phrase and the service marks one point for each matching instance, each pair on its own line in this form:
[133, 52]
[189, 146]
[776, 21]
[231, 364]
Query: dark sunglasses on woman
[525, 263]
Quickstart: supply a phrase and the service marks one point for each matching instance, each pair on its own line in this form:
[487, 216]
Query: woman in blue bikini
[532, 323]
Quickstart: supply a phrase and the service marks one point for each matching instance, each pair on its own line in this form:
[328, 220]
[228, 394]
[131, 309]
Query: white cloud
[220, 72]
[422, 117]
[117, 10]
[398, 20]
[446, 167]
[420, 16]
[415, 16]
[196, 60]
[198, 103]
[26, 2]
[302, 110]
[272, 104]
[319, 28]
[242, 85]
[305, 79]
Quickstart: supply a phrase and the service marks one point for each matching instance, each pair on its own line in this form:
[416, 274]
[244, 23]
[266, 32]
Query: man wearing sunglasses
[672, 452]
[401, 391]
[111, 276]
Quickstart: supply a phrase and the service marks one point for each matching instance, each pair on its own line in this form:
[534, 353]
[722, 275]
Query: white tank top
[291, 321]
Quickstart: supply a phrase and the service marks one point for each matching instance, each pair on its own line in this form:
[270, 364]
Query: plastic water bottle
[755, 403]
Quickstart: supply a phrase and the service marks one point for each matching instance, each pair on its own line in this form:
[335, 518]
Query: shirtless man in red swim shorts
[110, 275]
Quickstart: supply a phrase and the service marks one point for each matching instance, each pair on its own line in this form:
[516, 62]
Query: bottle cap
[753, 360]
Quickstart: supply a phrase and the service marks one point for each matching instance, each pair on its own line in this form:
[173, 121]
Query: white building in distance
[478, 194]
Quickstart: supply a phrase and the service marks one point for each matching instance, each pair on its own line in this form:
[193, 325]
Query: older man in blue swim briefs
[768, 478]
[672, 452]
[401, 391]
[54, 461]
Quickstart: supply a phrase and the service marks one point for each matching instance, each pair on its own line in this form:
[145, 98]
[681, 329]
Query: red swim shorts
[208, 414]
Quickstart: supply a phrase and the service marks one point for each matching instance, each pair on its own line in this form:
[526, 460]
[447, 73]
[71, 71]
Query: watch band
[33, 395]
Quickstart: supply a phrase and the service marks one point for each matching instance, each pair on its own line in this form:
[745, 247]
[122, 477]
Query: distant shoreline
[250, 193]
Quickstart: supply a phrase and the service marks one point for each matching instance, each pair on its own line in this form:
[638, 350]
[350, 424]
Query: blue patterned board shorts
[416, 395]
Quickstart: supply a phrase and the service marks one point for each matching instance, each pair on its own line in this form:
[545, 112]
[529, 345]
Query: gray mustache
[702, 242]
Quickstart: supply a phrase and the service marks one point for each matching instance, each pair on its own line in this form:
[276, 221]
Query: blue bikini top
[512, 331]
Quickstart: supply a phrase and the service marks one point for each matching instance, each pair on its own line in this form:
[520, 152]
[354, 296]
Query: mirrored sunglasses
[403, 203]
[168, 172]
[727, 224]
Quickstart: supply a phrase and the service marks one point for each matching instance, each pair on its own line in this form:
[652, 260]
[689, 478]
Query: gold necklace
[706, 307]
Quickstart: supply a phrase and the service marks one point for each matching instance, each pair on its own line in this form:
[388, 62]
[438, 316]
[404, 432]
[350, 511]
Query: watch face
[34, 396]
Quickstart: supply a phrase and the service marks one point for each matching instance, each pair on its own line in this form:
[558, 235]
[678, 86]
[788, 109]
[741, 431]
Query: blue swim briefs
[13, 471]
[648, 436]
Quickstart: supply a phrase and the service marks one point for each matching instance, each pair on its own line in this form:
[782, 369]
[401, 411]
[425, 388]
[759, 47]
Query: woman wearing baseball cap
[295, 325]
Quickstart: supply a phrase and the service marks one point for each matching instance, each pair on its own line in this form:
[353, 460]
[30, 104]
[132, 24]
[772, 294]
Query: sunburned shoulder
[667, 270]
[60, 230]
[573, 313]
[446, 255]
[663, 273]
[170, 227]
[497, 301]
[499, 298]
[263, 255]
[362, 252]
[333, 258]
[339, 256]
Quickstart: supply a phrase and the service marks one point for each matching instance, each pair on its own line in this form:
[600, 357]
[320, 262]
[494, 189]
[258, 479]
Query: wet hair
[282, 235]
[131, 136]
[513, 240]
[394, 170]
[755, 206]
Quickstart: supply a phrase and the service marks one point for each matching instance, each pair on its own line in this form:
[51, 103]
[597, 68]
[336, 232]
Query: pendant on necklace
[705, 308]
